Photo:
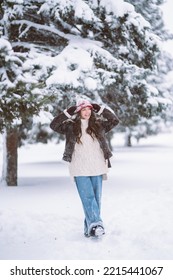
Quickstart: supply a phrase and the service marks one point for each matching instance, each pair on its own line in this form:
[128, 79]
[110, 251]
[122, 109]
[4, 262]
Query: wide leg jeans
[90, 192]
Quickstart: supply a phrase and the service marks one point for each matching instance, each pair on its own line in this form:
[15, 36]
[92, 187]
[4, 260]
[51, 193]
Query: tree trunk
[109, 138]
[9, 175]
[128, 137]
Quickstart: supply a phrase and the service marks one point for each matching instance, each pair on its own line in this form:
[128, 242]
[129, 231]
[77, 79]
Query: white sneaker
[99, 230]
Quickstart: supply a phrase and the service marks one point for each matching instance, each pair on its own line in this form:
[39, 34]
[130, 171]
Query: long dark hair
[93, 128]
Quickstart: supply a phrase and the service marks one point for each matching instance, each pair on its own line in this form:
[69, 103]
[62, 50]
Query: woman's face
[85, 113]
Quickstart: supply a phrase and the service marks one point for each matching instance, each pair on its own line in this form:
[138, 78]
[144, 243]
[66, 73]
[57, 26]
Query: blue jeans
[90, 192]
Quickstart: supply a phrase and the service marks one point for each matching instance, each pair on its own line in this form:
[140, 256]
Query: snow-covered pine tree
[111, 51]
[102, 49]
[152, 12]
[20, 99]
[22, 79]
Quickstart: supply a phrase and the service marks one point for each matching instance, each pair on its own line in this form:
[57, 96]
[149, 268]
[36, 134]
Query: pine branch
[51, 29]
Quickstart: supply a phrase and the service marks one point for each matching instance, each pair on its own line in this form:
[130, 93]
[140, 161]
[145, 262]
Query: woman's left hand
[96, 107]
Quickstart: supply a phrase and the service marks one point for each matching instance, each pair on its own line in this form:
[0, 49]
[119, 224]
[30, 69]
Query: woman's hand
[96, 107]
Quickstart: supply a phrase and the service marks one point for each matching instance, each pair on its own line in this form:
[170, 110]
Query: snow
[90, 83]
[70, 56]
[5, 45]
[118, 7]
[82, 10]
[42, 118]
[75, 65]
[42, 218]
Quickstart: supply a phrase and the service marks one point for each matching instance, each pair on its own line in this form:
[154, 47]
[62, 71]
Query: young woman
[87, 151]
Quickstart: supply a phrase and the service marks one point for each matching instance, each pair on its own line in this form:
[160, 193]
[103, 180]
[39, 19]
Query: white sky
[167, 10]
[168, 18]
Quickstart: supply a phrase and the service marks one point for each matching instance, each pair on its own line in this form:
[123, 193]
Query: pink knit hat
[82, 103]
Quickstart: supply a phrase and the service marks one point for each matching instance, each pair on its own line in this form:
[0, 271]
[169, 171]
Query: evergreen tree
[101, 49]
[97, 48]
[21, 86]
[120, 64]
[151, 11]
[20, 99]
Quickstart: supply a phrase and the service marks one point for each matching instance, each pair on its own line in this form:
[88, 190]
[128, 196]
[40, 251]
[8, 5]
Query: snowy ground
[42, 218]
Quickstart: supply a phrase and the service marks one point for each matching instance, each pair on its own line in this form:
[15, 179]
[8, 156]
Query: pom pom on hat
[82, 103]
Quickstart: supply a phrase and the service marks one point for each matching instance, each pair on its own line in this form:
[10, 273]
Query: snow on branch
[39, 27]
[51, 29]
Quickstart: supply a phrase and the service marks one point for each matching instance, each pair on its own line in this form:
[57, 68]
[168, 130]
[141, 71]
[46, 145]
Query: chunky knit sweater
[87, 158]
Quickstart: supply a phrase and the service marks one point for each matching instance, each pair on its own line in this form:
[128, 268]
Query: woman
[88, 153]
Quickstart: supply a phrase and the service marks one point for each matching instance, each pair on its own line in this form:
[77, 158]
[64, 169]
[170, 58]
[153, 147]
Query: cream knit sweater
[87, 158]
